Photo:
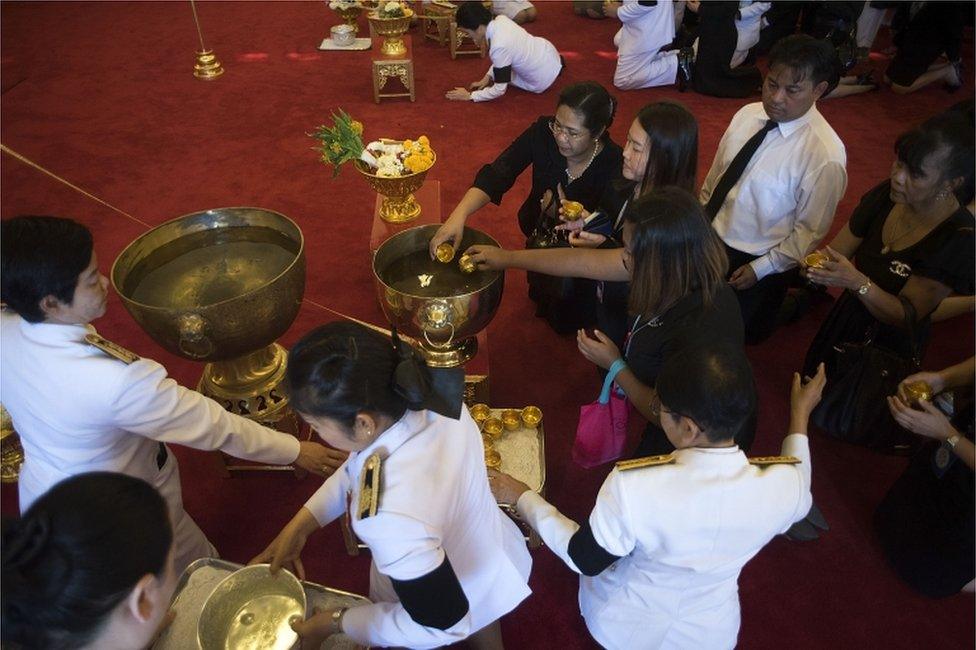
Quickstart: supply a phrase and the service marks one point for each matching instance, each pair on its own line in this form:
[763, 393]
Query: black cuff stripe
[435, 599]
[502, 75]
[647, 3]
[588, 556]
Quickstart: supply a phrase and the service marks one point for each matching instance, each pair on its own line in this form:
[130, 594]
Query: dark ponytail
[341, 369]
[75, 555]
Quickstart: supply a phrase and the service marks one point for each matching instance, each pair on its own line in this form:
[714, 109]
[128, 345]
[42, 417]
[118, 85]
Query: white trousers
[646, 70]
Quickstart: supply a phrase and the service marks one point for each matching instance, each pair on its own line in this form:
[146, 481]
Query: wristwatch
[337, 620]
[953, 440]
[863, 289]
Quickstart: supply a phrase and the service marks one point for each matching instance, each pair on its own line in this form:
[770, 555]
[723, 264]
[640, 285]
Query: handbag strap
[911, 326]
[612, 372]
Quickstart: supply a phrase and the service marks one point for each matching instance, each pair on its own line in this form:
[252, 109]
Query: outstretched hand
[806, 393]
[488, 258]
[599, 349]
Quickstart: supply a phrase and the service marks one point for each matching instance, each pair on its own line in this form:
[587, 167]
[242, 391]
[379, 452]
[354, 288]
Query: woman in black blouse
[910, 237]
[570, 151]
[676, 265]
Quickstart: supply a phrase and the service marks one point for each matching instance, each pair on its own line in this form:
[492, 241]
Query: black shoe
[686, 67]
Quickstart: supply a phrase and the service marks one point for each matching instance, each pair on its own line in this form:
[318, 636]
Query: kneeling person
[676, 530]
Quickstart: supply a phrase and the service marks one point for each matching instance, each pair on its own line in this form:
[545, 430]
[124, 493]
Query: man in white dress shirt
[517, 57]
[660, 554]
[81, 404]
[772, 207]
[647, 26]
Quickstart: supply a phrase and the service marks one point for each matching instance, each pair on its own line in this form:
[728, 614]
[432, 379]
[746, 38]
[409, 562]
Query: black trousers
[759, 303]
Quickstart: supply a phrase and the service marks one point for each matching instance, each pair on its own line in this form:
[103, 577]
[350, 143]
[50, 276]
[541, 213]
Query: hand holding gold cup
[571, 210]
[816, 260]
[918, 391]
[467, 264]
[444, 253]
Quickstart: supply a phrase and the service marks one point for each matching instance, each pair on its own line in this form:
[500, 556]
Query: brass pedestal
[11, 453]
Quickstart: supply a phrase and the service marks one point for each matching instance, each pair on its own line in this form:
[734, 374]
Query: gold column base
[457, 354]
[11, 452]
[207, 67]
[249, 385]
[393, 46]
[399, 209]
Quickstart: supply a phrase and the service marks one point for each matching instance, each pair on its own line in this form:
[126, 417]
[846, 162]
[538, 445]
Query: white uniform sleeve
[553, 527]
[328, 503]
[148, 403]
[798, 445]
[500, 58]
[610, 520]
[403, 548]
[820, 192]
[630, 11]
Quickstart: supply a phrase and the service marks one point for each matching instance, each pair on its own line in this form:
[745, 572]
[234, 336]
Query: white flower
[391, 7]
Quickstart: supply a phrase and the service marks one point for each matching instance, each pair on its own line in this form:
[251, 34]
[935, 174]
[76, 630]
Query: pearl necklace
[596, 150]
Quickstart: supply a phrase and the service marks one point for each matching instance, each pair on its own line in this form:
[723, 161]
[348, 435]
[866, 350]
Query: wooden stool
[399, 66]
[435, 21]
[461, 43]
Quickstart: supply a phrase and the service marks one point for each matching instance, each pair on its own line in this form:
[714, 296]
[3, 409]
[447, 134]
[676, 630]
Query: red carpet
[102, 94]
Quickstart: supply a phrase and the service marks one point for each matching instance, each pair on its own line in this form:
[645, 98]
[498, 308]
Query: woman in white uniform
[647, 26]
[447, 564]
[83, 404]
[88, 565]
[661, 552]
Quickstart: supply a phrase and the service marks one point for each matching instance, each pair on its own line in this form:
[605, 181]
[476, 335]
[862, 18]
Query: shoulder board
[111, 349]
[774, 460]
[369, 487]
[646, 461]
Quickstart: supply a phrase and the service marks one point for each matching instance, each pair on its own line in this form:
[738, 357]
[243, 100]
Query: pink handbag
[602, 429]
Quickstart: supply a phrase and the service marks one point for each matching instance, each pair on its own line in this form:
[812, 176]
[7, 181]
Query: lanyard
[654, 322]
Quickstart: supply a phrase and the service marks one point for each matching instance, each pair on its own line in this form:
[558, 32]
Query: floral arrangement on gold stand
[348, 10]
[394, 168]
[391, 20]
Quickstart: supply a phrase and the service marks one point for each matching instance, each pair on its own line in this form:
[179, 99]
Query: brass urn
[392, 31]
[399, 204]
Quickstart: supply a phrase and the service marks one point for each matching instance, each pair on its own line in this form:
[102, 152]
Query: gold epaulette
[112, 349]
[646, 461]
[369, 487]
[774, 460]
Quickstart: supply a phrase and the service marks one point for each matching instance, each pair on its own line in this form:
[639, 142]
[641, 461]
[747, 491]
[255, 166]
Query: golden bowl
[572, 210]
[467, 264]
[816, 259]
[392, 31]
[918, 391]
[531, 416]
[480, 412]
[493, 427]
[486, 443]
[511, 419]
[493, 459]
[399, 204]
[444, 253]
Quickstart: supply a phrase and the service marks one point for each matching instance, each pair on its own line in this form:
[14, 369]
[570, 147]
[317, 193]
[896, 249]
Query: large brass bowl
[392, 31]
[399, 204]
[220, 286]
[446, 315]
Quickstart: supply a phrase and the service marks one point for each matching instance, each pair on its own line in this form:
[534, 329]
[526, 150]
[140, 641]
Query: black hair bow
[436, 389]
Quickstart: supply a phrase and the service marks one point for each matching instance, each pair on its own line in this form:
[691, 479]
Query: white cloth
[509, 8]
[434, 502]
[644, 31]
[683, 532]
[748, 24]
[784, 202]
[534, 60]
[868, 24]
[78, 410]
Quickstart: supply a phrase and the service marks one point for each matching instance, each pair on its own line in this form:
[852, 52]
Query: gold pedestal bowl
[399, 204]
[392, 31]
[350, 16]
[220, 286]
[435, 303]
[11, 452]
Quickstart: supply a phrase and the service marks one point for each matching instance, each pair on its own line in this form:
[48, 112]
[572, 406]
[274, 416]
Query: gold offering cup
[220, 286]
[399, 204]
[351, 16]
[251, 608]
[444, 253]
[435, 303]
[531, 417]
[480, 412]
[467, 264]
[392, 31]
[493, 459]
[816, 259]
[572, 210]
[918, 391]
[511, 419]
[493, 427]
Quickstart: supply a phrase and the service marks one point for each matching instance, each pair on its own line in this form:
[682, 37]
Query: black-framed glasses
[559, 129]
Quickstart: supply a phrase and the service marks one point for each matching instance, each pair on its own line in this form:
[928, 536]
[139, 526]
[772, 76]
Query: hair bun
[24, 540]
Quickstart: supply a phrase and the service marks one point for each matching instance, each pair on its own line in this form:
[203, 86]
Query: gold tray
[523, 453]
[182, 634]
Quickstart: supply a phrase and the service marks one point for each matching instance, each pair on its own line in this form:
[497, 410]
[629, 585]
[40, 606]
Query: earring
[943, 194]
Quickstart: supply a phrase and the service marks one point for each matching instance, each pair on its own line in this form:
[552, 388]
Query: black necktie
[736, 167]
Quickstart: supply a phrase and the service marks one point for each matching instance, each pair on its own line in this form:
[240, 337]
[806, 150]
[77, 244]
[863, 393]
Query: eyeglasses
[559, 129]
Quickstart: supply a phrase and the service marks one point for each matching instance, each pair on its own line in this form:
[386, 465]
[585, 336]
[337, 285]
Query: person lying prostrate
[88, 566]
[662, 549]
[446, 563]
[517, 57]
[83, 404]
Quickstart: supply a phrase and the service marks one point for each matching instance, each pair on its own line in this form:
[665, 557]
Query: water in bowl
[418, 275]
[263, 624]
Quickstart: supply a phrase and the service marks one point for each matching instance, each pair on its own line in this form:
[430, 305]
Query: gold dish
[531, 417]
[480, 412]
[444, 253]
[918, 391]
[467, 264]
[493, 427]
[572, 210]
[511, 419]
[816, 259]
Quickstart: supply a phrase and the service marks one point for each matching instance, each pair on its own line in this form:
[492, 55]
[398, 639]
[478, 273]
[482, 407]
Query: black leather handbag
[853, 407]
